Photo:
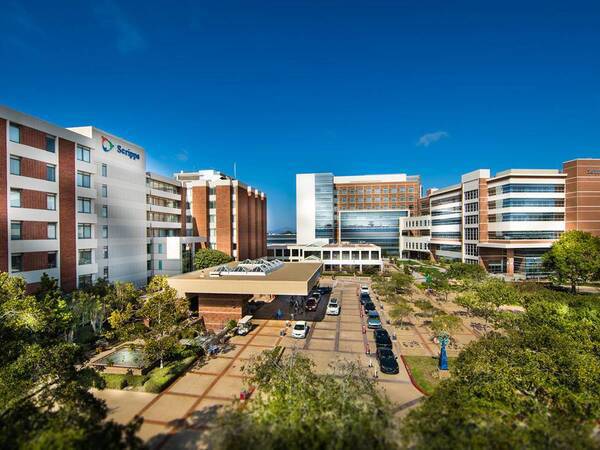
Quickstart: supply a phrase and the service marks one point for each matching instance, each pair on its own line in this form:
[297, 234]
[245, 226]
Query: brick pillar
[259, 225]
[200, 210]
[264, 225]
[183, 208]
[66, 215]
[224, 218]
[251, 225]
[510, 261]
[3, 198]
[242, 224]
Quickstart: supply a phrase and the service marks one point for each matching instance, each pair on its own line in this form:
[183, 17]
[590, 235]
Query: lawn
[424, 371]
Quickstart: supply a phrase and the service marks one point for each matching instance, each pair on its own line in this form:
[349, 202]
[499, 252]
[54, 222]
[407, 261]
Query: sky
[430, 88]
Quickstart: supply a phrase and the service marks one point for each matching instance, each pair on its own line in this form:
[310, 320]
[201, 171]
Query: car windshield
[298, 327]
[387, 356]
[333, 302]
[311, 301]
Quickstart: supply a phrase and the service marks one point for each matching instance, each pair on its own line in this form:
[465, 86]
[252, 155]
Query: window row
[401, 198]
[17, 261]
[526, 217]
[445, 201]
[472, 195]
[417, 245]
[16, 230]
[84, 231]
[471, 234]
[15, 168]
[16, 200]
[14, 134]
[525, 187]
[524, 202]
[384, 190]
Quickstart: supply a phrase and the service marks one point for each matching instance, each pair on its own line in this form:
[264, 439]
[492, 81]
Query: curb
[412, 380]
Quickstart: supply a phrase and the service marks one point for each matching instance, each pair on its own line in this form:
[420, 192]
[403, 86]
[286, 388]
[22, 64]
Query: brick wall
[183, 209]
[67, 216]
[264, 226]
[224, 218]
[35, 261]
[200, 210]
[3, 199]
[33, 137]
[217, 310]
[582, 195]
[34, 199]
[33, 168]
[242, 224]
[251, 225]
[34, 230]
[483, 210]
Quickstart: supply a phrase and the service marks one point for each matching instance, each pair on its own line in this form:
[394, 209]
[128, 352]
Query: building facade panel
[3, 196]
[67, 220]
[224, 219]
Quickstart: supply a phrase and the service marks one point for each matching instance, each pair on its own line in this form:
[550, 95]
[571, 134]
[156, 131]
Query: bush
[114, 380]
[159, 379]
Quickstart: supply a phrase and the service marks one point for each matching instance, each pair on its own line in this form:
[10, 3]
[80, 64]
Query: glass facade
[324, 206]
[381, 228]
[529, 262]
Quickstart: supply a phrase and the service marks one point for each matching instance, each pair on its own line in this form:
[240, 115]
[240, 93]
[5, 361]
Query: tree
[438, 282]
[296, 408]
[466, 272]
[164, 312]
[445, 325]
[399, 312]
[45, 399]
[574, 258]
[533, 386]
[401, 281]
[208, 257]
[426, 307]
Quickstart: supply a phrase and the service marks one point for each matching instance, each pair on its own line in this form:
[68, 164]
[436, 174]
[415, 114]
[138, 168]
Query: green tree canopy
[400, 311]
[164, 312]
[534, 386]
[295, 408]
[445, 325]
[208, 257]
[466, 272]
[574, 258]
[45, 399]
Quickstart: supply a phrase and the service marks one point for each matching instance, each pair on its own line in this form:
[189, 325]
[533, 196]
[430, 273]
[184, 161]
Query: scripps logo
[107, 146]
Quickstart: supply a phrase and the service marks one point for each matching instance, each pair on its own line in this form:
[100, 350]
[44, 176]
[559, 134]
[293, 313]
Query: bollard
[368, 349]
[364, 329]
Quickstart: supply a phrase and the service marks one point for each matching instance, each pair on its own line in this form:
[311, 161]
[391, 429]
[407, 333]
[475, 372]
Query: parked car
[364, 288]
[388, 363]
[316, 295]
[365, 298]
[311, 304]
[300, 330]
[325, 290]
[333, 307]
[373, 320]
[370, 306]
[382, 338]
[244, 325]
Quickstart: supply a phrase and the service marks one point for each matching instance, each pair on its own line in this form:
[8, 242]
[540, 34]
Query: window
[159, 248]
[83, 154]
[15, 133]
[84, 231]
[85, 281]
[104, 191]
[104, 170]
[84, 205]
[16, 262]
[50, 172]
[84, 179]
[105, 252]
[105, 271]
[472, 207]
[160, 264]
[16, 229]
[104, 211]
[50, 144]
[51, 202]
[51, 260]
[85, 257]
[52, 231]
[15, 198]
[105, 231]
[149, 265]
[471, 234]
[15, 165]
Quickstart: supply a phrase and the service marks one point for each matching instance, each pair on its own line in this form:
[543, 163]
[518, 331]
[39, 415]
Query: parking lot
[179, 416]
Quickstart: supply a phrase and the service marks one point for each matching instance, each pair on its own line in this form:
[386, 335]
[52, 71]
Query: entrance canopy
[278, 279]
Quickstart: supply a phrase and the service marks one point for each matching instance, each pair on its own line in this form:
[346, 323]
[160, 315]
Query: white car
[333, 307]
[364, 289]
[300, 330]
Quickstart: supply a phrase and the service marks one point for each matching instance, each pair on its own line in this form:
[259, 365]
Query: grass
[154, 381]
[424, 371]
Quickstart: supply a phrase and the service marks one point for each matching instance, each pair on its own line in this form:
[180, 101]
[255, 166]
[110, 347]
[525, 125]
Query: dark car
[324, 290]
[311, 304]
[365, 298]
[369, 307]
[382, 338]
[388, 363]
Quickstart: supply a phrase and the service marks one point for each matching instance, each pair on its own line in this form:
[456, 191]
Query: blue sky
[423, 87]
